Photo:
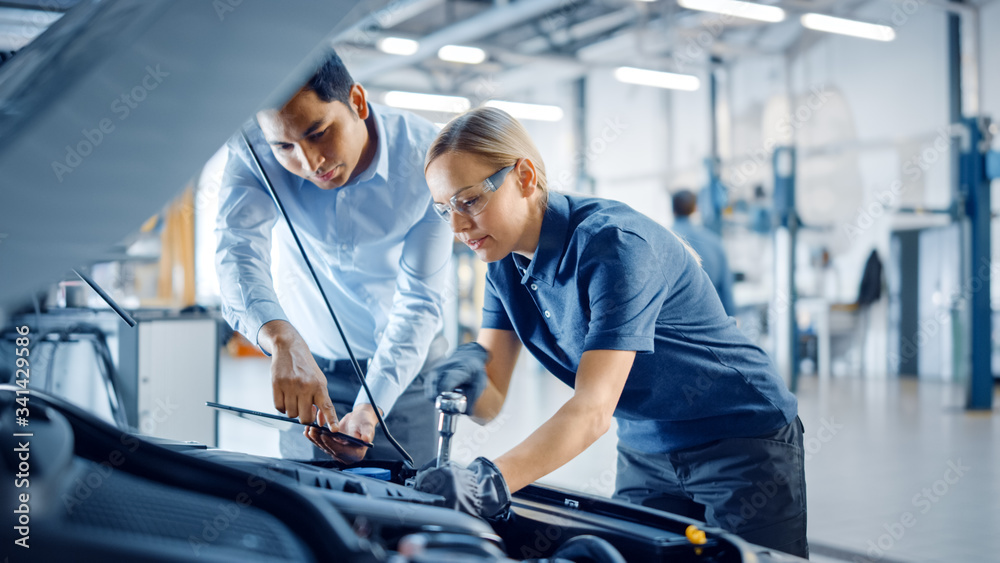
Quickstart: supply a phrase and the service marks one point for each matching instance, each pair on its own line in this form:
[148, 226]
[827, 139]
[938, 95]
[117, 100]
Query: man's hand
[359, 423]
[296, 380]
[465, 369]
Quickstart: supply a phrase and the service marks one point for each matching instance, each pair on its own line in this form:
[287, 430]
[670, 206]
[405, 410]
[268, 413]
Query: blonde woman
[619, 309]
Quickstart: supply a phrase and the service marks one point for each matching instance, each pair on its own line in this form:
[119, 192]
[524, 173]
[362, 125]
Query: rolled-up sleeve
[625, 290]
[243, 252]
[415, 319]
[494, 314]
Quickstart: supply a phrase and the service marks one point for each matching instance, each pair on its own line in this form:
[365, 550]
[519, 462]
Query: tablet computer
[283, 422]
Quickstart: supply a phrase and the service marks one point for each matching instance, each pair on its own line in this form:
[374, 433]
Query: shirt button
[343, 246]
[534, 287]
[547, 314]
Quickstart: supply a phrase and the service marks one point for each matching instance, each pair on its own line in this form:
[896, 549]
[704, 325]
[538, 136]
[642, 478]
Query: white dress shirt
[379, 249]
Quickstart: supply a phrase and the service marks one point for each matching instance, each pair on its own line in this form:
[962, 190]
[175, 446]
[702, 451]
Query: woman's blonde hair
[493, 135]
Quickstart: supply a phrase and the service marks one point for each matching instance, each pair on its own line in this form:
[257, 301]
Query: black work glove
[465, 369]
[478, 489]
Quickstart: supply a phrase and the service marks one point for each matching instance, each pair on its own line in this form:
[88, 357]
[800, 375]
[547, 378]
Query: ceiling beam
[386, 18]
[481, 25]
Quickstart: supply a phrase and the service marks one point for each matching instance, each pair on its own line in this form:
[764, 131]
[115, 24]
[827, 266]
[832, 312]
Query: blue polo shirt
[606, 277]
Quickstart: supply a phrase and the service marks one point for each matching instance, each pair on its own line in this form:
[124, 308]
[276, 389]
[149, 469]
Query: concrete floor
[896, 470]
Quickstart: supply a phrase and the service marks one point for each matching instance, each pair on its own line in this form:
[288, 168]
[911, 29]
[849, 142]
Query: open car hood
[108, 114]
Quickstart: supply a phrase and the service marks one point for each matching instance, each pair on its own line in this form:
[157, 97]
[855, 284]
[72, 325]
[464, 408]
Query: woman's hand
[578, 424]
[465, 369]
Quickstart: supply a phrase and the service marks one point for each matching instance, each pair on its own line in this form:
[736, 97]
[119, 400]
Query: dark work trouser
[754, 487]
[412, 420]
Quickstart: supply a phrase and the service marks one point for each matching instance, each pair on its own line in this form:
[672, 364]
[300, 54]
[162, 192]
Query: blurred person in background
[707, 244]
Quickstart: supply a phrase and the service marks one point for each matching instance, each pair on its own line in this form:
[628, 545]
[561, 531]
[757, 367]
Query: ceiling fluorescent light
[830, 24]
[747, 10]
[427, 102]
[460, 54]
[536, 112]
[657, 78]
[397, 46]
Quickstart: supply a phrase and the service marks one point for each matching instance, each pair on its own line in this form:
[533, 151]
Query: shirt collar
[380, 162]
[551, 242]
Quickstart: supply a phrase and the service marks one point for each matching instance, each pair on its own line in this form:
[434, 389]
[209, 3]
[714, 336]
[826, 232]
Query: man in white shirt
[350, 175]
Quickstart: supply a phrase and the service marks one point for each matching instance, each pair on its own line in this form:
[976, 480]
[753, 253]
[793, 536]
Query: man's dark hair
[332, 82]
[684, 203]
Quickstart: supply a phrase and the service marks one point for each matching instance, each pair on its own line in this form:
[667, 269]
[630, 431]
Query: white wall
[859, 110]
[631, 142]
[692, 141]
[555, 140]
[206, 209]
[755, 89]
[990, 61]
[990, 106]
[634, 146]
